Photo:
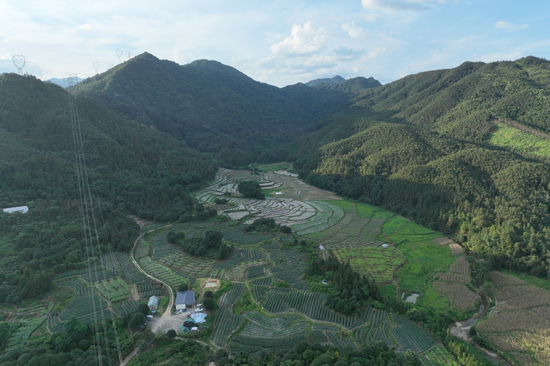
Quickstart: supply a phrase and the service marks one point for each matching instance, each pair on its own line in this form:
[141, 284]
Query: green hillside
[429, 146]
[131, 169]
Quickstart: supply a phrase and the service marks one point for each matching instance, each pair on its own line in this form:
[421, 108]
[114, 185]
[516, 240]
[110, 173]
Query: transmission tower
[119, 53]
[129, 54]
[19, 62]
[96, 67]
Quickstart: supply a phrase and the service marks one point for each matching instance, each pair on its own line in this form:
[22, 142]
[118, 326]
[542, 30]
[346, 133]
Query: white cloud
[400, 5]
[353, 30]
[372, 16]
[84, 27]
[304, 40]
[346, 53]
[511, 27]
[504, 56]
[375, 53]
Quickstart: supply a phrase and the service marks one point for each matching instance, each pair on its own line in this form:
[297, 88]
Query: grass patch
[274, 167]
[344, 205]
[430, 297]
[424, 259]
[400, 225]
[388, 290]
[515, 139]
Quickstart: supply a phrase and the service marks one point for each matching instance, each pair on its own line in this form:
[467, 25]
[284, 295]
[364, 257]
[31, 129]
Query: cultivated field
[520, 323]
[377, 263]
[263, 269]
[304, 216]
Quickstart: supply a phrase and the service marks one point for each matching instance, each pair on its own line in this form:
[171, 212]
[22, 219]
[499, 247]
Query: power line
[90, 231]
[19, 62]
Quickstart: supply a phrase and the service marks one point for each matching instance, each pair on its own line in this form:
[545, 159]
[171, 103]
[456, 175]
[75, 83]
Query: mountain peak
[330, 81]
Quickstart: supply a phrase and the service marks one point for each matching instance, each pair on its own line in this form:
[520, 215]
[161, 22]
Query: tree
[183, 287]
[137, 320]
[285, 229]
[144, 309]
[251, 189]
[209, 303]
[208, 294]
[171, 333]
[172, 237]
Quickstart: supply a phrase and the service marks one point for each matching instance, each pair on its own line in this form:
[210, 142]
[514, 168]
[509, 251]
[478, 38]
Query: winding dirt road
[168, 310]
[171, 303]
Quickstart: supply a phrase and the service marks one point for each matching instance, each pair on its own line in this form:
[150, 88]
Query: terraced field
[520, 324]
[377, 263]
[303, 217]
[287, 311]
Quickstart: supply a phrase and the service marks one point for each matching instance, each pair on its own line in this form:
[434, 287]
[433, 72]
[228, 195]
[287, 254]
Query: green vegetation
[424, 147]
[424, 260]
[251, 189]
[520, 141]
[375, 263]
[273, 167]
[212, 245]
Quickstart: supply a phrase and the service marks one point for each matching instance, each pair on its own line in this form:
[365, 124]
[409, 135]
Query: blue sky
[278, 42]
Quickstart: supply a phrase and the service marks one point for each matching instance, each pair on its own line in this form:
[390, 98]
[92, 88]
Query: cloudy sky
[278, 42]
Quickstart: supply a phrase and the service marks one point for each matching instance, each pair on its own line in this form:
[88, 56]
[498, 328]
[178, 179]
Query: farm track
[171, 303]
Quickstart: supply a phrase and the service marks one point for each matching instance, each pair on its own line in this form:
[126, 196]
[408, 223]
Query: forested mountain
[422, 146]
[131, 168]
[216, 109]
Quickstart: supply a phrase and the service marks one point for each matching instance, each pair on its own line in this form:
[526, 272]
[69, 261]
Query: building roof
[185, 297]
[22, 209]
[153, 301]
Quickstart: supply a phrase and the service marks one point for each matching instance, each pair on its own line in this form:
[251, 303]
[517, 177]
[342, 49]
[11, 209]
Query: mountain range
[433, 146]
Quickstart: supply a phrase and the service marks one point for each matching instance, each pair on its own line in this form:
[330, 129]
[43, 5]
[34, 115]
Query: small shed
[153, 303]
[321, 247]
[185, 299]
[21, 209]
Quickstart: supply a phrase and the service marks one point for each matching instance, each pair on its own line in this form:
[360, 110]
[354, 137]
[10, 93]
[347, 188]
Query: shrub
[144, 309]
[137, 320]
[171, 333]
[209, 303]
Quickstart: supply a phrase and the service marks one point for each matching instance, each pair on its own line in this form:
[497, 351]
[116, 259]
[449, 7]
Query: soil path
[129, 357]
[168, 308]
[171, 303]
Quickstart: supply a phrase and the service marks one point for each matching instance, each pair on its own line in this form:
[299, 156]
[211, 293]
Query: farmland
[452, 285]
[270, 266]
[519, 324]
[377, 263]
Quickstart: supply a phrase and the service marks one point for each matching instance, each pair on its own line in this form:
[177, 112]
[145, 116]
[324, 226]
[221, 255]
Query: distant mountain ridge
[215, 108]
[64, 83]
[330, 81]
